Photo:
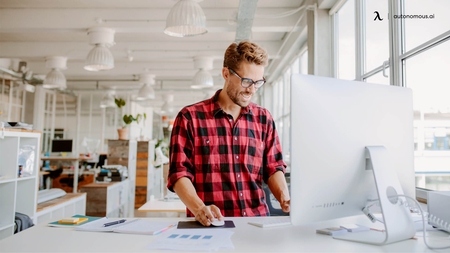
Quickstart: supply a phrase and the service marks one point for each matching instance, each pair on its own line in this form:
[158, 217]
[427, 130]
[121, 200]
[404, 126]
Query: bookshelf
[18, 193]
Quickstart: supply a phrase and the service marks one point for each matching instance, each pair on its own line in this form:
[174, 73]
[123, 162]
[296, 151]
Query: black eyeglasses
[247, 82]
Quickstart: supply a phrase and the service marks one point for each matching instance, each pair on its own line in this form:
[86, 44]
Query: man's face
[238, 94]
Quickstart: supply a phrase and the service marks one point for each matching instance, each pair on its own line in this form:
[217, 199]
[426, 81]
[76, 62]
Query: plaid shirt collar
[215, 106]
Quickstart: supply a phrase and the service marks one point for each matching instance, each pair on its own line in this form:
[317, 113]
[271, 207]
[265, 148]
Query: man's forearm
[185, 190]
[278, 186]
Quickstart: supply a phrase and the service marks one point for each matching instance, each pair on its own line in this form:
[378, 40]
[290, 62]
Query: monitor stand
[398, 222]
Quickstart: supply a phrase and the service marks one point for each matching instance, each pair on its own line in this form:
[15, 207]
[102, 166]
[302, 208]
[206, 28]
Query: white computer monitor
[332, 123]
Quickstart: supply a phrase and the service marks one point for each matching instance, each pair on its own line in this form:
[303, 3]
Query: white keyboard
[271, 222]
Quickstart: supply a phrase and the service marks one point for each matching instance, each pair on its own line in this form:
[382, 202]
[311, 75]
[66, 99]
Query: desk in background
[161, 206]
[75, 162]
[246, 238]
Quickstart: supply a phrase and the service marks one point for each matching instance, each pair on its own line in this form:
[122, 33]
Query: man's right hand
[207, 214]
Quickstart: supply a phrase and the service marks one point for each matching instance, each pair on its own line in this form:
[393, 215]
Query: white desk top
[246, 238]
[157, 205]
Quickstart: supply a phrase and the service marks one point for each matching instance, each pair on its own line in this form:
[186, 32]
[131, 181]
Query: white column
[319, 41]
[39, 108]
[102, 135]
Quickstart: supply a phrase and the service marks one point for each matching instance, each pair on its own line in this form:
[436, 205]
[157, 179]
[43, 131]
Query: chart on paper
[194, 239]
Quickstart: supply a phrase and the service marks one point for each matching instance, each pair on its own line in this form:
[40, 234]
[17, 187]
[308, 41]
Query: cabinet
[18, 193]
[124, 152]
[59, 208]
[108, 199]
[144, 173]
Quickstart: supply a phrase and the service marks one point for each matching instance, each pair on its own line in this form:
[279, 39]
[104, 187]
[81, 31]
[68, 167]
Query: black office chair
[273, 211]
[101, 160]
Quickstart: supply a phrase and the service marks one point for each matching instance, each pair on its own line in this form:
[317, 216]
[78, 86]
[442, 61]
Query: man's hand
[207, 214]
[278, 187]
[285, 205]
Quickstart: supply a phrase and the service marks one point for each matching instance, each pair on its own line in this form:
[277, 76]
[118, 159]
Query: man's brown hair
[244, 51]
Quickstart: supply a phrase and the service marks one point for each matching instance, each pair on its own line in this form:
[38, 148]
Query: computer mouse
[218, 223]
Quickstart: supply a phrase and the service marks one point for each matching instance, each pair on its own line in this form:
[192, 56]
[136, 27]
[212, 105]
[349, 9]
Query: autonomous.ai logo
[377, 16]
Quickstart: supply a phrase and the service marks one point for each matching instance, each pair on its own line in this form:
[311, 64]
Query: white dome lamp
[168, 108]
[203, 79]
[108, 100]
[146, 92]
[100, 57]
[55, 79]
[186, 18]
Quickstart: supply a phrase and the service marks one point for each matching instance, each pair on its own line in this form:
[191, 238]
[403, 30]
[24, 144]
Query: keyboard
[271, 222]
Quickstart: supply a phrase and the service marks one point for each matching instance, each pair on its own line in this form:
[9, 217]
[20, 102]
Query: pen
[114, 223]
[164, 230]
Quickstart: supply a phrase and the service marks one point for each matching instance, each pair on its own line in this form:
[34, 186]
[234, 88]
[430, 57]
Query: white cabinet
[18, 193]
[59, 208]
[124, 152]
[109, 199]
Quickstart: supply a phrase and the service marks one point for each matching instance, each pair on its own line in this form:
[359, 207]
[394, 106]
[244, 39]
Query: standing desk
[246, 238]
[161, 206]
[75, 161]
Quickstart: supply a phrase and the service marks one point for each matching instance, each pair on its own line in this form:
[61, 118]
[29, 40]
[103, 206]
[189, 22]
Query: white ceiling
[30, 30]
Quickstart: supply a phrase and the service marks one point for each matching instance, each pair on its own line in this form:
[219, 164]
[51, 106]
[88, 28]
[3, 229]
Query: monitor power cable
[441, 223]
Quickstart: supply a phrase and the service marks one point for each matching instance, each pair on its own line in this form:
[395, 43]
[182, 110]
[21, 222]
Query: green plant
[119, 102]
[128, 118]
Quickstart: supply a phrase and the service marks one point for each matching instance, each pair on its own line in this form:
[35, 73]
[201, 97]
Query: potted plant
[127, 119]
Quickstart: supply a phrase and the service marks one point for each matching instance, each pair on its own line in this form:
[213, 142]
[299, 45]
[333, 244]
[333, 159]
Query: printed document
[130, 226]
[194, 240]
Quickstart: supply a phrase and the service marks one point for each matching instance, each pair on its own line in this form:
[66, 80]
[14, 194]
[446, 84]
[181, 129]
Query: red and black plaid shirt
[225, 161]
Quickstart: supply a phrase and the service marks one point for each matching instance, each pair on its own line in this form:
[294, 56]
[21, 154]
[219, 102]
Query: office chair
[101, 160]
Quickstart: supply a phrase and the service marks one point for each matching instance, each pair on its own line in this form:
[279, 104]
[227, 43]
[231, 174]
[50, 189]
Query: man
[223, 148]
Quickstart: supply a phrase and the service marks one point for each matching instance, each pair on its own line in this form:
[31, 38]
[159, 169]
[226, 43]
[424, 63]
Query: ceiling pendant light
[108, 100]
[203, 79]
[100, 57]
[186, 18]
[55, 79]
[146, 92]
[167, 108]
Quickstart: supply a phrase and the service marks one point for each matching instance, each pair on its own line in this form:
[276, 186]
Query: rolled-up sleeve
[273, 152]
[181, 150]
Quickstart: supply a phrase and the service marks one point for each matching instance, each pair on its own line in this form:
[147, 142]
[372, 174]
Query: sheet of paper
[194, 240]
[97, 225]
[145, 227]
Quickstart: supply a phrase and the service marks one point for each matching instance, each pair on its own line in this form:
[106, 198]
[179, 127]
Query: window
[425, 20]
[426, 75]
[423, 70]
[345, 18]
[11, 101]
[304, 63]
[378, 78]
[377, 34]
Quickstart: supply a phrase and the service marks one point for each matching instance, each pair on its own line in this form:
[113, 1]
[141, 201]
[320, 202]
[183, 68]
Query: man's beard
[236, 95]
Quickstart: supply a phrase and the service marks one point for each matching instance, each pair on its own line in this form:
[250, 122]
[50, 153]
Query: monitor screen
[332, 121]
[60, 145]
